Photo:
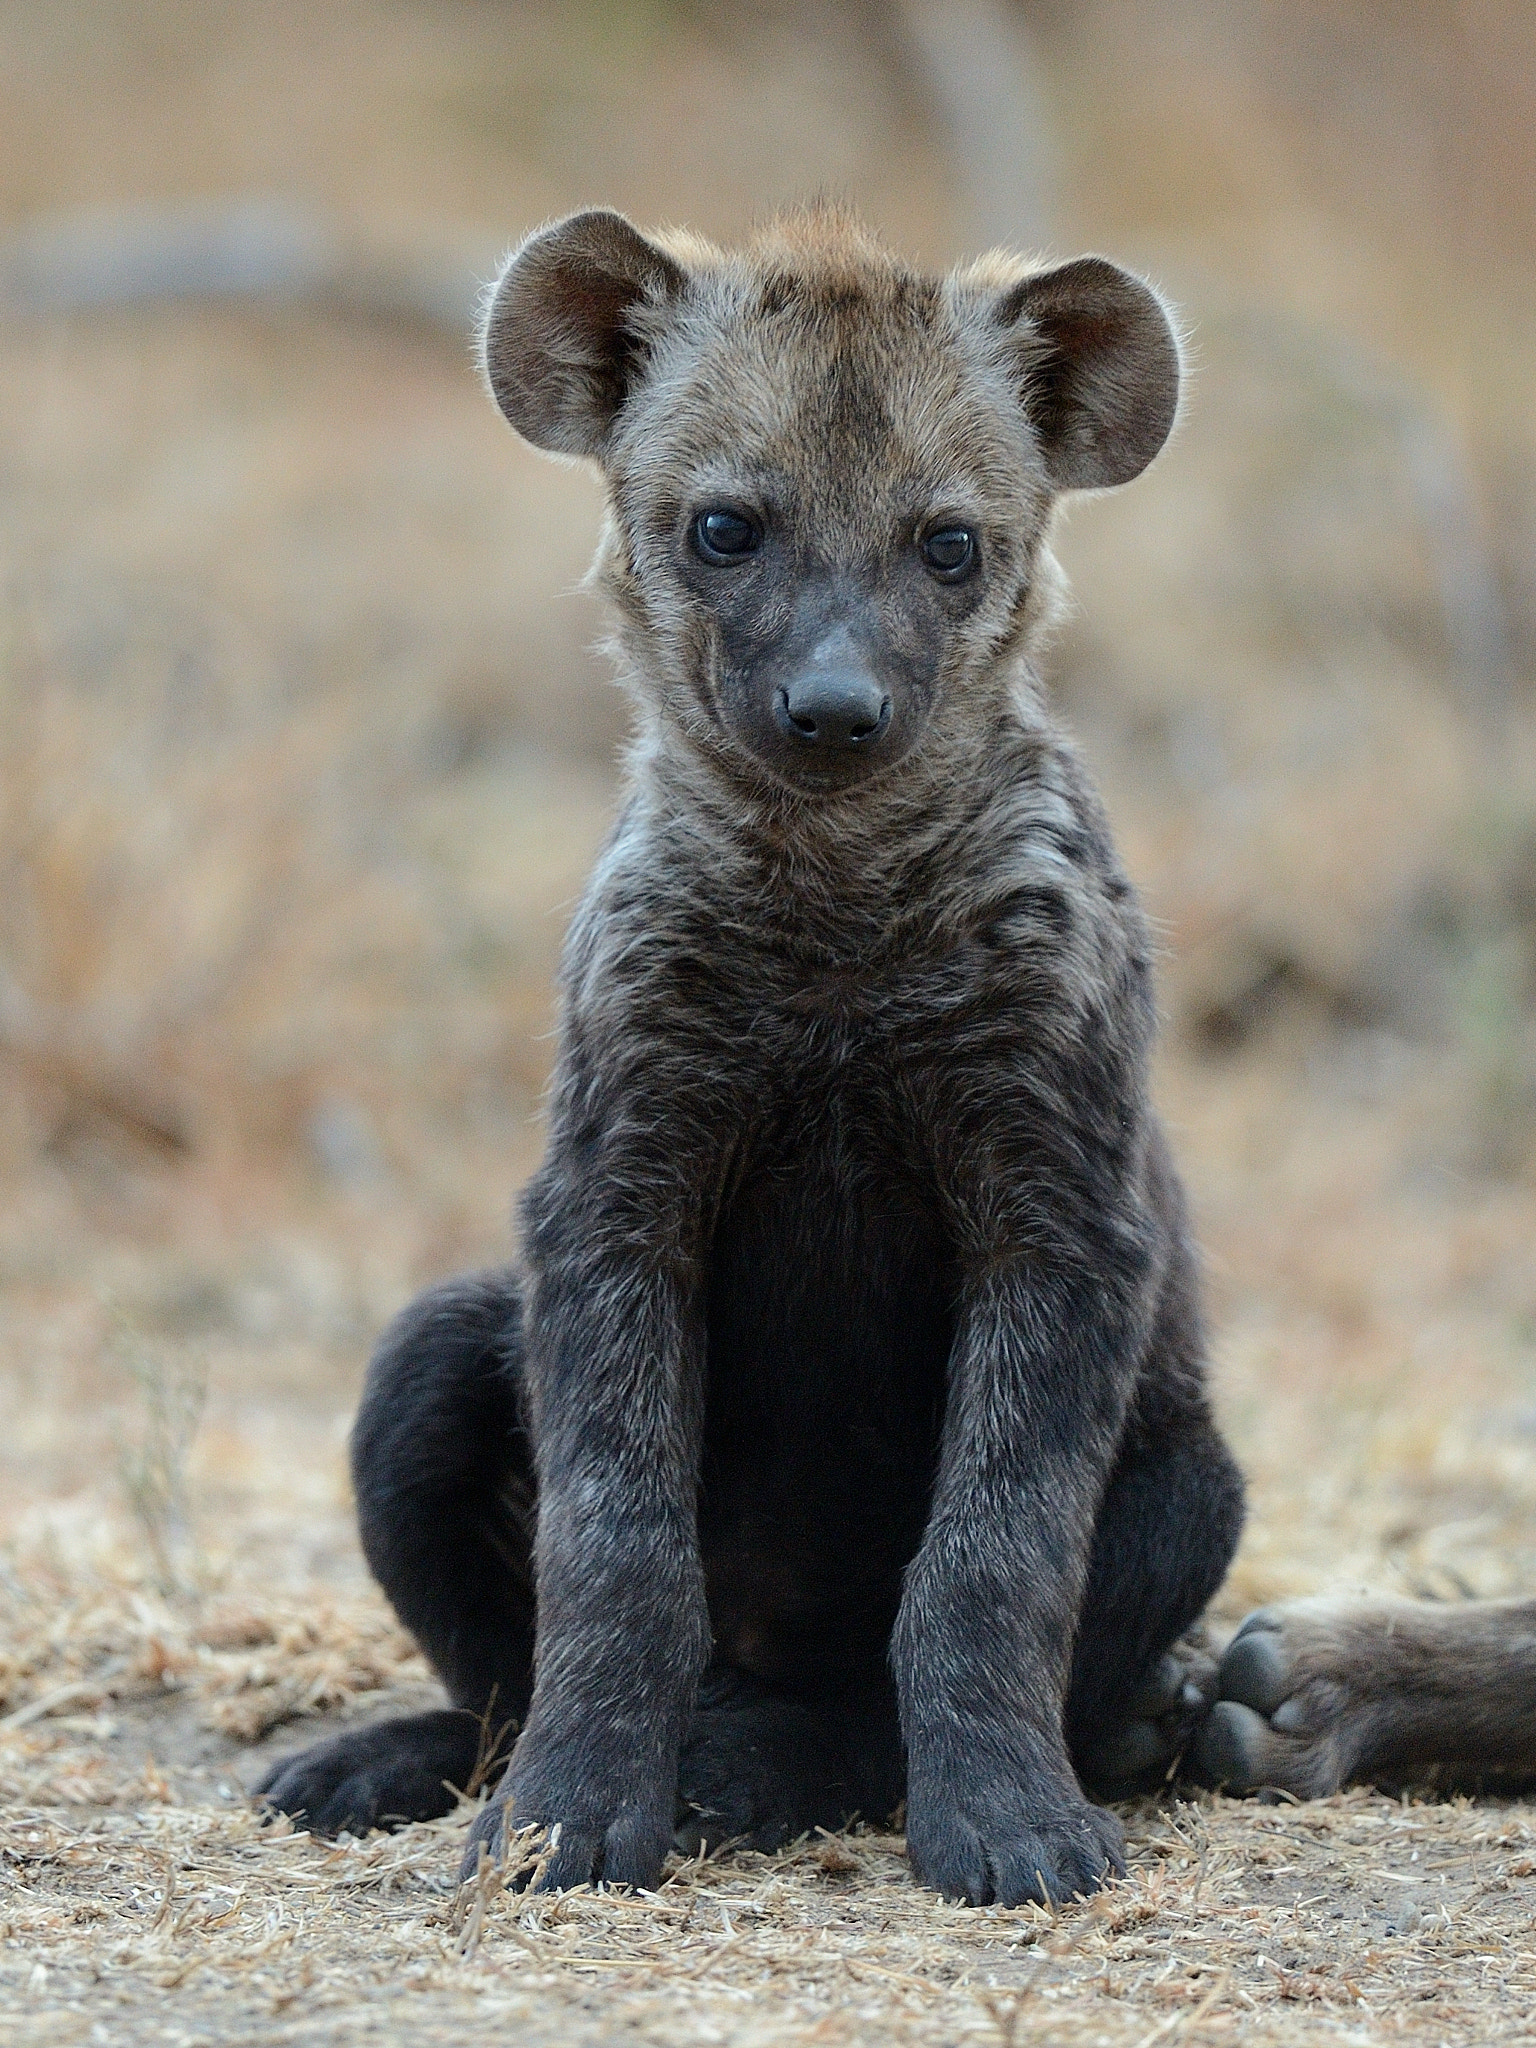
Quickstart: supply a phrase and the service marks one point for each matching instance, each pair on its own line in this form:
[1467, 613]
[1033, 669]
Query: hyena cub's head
[829, 476]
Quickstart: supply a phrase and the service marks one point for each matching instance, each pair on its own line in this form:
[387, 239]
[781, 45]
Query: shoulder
[643, 952]
[1047, 881]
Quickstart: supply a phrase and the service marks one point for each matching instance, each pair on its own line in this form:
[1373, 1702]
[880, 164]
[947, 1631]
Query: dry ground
[302, 760]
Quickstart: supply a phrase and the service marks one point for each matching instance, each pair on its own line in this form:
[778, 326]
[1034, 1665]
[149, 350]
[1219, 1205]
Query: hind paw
[1142, 1749]
[378, 1777]
[764, 1768]
[756, 1772]
[1289, 1714]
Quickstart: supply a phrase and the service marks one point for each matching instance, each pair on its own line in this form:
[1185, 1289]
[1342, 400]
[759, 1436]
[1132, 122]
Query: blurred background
[304, 751]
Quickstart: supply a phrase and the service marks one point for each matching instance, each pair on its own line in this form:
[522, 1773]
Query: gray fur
[966, 909]
[884, 1008]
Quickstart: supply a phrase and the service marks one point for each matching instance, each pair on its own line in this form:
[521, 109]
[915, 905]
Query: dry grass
[302, 760]
[131, 1868]
[1352, 1920]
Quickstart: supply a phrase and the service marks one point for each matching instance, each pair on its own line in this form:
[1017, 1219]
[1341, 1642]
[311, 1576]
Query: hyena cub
[843, 1434]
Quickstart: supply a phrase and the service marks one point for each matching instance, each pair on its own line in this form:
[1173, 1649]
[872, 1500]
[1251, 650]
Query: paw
[1286, 1714]
[761, 1774]
[993, 1848]
[619, 1839]
[1139, 1751]
[378, 1777]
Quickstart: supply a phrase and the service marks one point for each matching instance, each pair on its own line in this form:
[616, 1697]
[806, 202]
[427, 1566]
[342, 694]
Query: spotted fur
[850, 1395]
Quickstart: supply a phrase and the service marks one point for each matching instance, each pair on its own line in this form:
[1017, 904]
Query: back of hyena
[844, 1433]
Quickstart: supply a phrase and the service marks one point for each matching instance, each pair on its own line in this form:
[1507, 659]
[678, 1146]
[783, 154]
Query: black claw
[1256, 1671]
[1231, 1747]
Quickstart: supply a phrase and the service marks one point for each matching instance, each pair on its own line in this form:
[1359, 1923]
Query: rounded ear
[560, 343]
[1099, 365]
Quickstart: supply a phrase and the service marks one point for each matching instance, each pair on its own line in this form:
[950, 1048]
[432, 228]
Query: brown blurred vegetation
[304, 752]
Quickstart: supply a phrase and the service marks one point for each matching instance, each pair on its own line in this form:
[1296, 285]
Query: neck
[840, 875]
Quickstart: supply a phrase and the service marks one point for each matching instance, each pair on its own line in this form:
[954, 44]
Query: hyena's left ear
[1099, 370]
[561, 341]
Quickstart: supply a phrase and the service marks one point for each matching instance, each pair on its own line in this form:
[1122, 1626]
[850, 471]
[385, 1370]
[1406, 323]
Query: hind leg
[1315, 1693]
[445, 1497]
[1142, 1678]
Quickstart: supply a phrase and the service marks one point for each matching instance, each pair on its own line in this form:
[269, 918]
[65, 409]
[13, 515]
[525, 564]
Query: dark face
[845, 561]
[826, 668]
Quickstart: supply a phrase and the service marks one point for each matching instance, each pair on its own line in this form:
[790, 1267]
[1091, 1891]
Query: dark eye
[950, 552]
[725, 536]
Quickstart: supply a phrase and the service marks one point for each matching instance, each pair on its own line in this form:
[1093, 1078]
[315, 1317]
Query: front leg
[1039, 1381]
[615, 1378]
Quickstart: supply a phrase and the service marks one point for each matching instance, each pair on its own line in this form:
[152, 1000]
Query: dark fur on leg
[445, 1496]
[844, 1265]
[1166, 1531]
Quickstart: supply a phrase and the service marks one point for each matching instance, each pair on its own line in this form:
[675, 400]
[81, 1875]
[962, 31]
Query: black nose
[833, 708]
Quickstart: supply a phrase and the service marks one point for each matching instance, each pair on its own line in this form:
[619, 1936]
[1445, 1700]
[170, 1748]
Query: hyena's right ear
[560, 343]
